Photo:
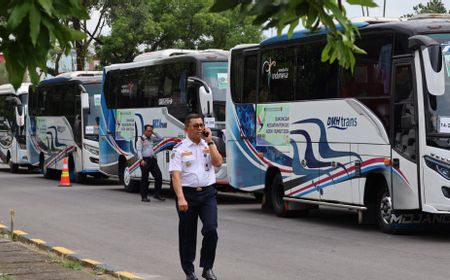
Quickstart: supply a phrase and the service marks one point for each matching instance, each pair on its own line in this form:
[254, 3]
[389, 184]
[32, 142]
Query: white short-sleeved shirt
[194, 162]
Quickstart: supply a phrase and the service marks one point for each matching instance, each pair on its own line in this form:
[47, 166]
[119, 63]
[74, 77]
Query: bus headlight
[91, 149]
[440, 167]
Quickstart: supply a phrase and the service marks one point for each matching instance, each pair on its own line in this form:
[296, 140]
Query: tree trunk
[79, 47]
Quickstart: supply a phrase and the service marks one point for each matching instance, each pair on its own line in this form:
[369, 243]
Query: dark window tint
[371, 77]
[370, 83]
[7, 118]
[277, 75]
[401, 44]
[314, 79]
[236, 78]
[404, 112]
[250, 73]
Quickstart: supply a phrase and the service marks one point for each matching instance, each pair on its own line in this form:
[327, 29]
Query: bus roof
[90, 78]
[413, 26]
[9, 89]
[200, 55]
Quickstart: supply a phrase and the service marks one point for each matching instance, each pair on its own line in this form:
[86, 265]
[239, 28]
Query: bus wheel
[13, 167]
[277, 194]
[384, 211]
[130, 185]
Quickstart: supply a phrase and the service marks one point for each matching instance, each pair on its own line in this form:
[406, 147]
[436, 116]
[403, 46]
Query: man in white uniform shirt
[192, 165]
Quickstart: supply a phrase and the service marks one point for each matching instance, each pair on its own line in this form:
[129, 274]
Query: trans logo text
[342, 123]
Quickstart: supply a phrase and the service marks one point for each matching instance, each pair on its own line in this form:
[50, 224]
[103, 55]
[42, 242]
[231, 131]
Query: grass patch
[75, 265]
[4, 276]
[66, 263]
[99, 270]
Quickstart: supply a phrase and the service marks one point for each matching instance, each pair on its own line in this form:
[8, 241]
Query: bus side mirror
[84, 100]
[205, 101]
[204, 94]
[432, 61]
[20, 116]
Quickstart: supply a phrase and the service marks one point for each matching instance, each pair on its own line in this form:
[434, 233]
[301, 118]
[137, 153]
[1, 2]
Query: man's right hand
[143, 162]
[182, 205]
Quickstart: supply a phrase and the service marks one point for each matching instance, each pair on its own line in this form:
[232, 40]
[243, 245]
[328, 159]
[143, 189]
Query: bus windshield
[438, 107]
[92, 120]
[216, 75]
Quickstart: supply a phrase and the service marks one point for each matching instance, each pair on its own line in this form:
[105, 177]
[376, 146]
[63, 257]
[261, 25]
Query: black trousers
[151, 165]
[201, 204]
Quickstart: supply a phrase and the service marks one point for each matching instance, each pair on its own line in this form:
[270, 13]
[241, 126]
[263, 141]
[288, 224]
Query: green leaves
[281, 13]
[32, 28]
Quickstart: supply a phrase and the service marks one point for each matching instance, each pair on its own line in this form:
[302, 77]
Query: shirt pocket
[188, 163]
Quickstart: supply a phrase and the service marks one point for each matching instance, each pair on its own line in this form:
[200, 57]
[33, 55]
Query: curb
[24, 237]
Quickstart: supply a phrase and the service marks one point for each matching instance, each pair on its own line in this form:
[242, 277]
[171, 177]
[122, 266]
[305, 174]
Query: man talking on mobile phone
[192, 165]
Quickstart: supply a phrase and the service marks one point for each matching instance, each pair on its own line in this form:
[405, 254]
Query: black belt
[196, 189]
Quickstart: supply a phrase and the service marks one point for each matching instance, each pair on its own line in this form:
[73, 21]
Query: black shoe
[145, 200]
[158, 197]
[191, 276]
[208, 274]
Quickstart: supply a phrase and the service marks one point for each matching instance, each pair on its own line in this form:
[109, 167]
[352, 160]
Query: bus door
[404, 176]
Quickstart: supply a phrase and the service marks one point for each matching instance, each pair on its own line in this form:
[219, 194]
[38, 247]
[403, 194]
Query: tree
[162, 24]
[82, 46]
[3, 74]
[432, 6]
[312, 14]
[30, 28]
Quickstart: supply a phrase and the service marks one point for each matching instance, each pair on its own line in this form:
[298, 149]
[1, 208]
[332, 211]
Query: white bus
[159, 88]
[64, 115]
[305, 133]
[13, 113]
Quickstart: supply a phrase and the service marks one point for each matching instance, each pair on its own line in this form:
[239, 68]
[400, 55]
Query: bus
[306, 134]
[13, 113]
[160, 88]
[64, 116]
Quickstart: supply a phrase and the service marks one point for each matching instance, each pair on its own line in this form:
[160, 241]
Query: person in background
[149, 163]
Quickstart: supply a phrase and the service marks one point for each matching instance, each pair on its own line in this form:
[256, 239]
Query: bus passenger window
[249, 87]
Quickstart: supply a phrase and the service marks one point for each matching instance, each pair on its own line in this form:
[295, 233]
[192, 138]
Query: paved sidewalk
[24, 262]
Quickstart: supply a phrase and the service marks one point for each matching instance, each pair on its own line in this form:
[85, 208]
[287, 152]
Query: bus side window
[250, 72]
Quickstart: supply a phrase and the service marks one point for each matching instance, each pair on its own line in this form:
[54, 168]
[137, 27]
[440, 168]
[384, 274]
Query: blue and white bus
[64, 116]
[305, 133]
[159, 88]
[13, 113]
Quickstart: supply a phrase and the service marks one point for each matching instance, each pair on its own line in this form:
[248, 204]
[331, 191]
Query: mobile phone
[205, 133]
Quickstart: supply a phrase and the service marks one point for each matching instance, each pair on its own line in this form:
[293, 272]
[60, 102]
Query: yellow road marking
[128, 275]
[93, 262]
[20, 232]
[63, 250]
[38, 241]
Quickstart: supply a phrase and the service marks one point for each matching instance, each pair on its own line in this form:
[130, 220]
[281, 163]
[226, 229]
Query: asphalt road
[102, 222]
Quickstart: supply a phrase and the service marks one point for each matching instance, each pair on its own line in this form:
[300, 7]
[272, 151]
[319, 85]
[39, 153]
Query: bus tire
[384, 211]
[130, 185]
[277, 194]
[13, 167]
